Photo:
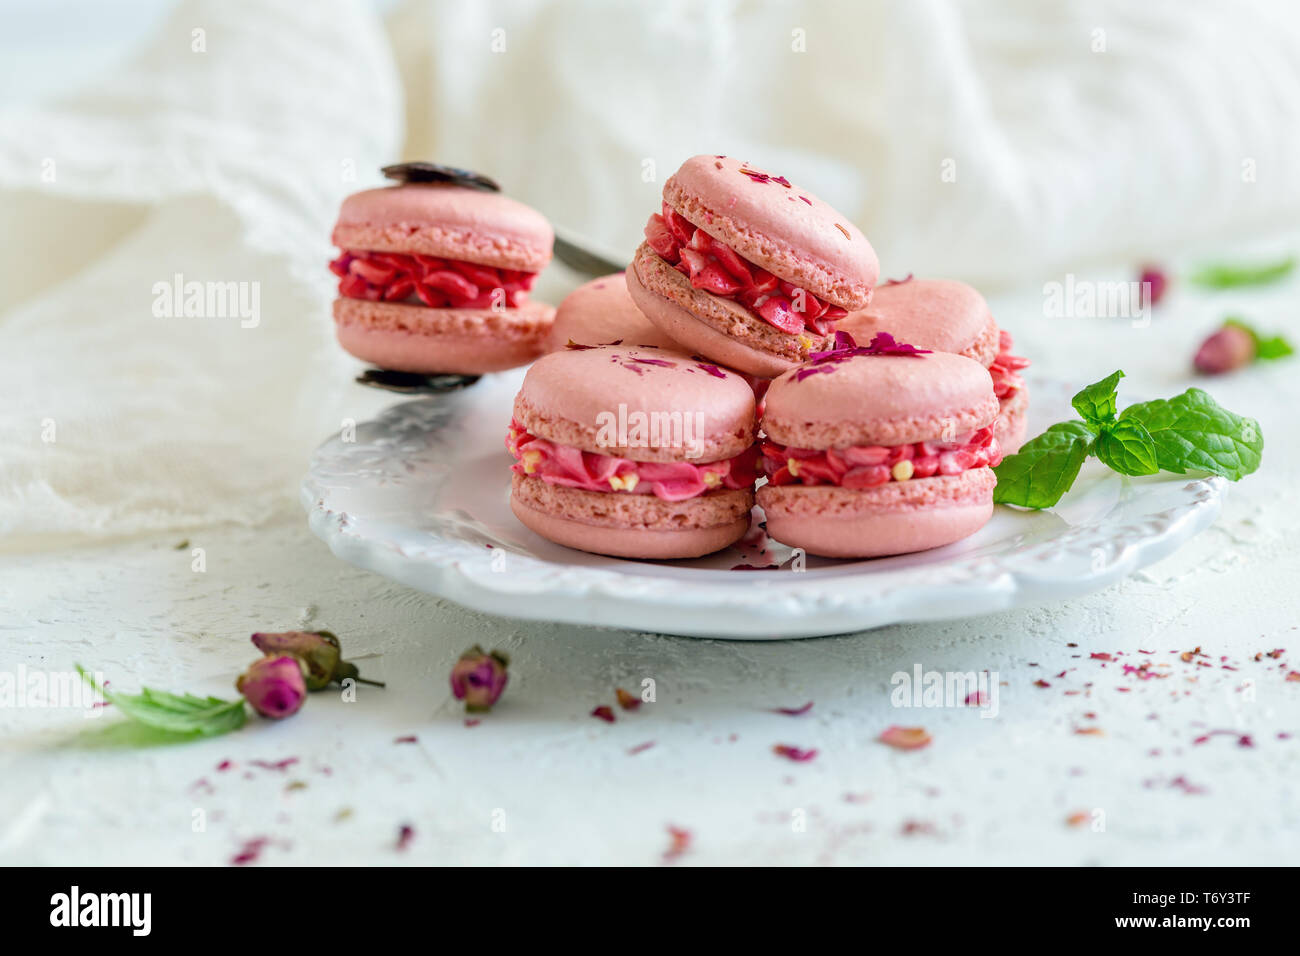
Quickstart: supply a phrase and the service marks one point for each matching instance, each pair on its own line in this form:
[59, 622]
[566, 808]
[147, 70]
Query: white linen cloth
[990, 141]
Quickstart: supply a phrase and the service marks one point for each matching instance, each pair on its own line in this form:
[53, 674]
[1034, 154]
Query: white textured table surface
[540, 781]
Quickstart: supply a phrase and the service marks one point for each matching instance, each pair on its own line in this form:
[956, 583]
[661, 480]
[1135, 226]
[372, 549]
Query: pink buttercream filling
[670, 480]
[431, 280]
[715, 267]
[871, 465]
[1005, 367]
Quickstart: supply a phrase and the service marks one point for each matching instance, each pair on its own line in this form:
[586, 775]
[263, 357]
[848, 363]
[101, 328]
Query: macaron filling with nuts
[873, 451]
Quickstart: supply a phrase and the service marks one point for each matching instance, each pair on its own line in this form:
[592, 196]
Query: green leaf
[176, 713]
[1192, 432]
[1223, 276]
[1127, 447]
[1266, 347]
[1045, 468]
[1096, 403]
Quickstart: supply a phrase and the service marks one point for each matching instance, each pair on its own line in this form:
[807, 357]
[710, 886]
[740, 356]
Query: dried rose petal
[604, 712]
[905, 738]
[794, 711]
[794, 753]
[625, 700]
[680, 842]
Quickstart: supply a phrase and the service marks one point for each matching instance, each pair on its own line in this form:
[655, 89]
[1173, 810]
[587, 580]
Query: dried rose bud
[319, 652]
[274, 686]
[1158, 283]
[479, 678]
[1226, 350]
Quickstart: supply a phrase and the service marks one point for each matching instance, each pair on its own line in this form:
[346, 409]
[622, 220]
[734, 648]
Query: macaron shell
[568, 396]
[414, 338]
[710, 325]
[631, 526]
[896, 518]
[601, 311]
[939, 314]
[786, 230]
[1013, 421]
[454, 222]
[881, 400]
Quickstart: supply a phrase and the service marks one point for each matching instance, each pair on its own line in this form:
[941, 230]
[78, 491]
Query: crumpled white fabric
[991, 140]
[1073, 132]
[220, 155]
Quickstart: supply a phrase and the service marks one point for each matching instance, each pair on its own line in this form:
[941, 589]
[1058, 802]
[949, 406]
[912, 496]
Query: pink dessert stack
[748, 354]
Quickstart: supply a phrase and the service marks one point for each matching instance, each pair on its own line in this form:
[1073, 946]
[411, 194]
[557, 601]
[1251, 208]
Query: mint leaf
[1192, 432]
[1127, 447]
[1266, 347]
[1096, 403]
[1045, 468]
[1230, 276]
[176, 713]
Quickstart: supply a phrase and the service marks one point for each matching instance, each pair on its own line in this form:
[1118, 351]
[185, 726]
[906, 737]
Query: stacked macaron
[949, 316]
[879, 450]
[633, 452]
[747, 269]
[601, 312]
[434, 274]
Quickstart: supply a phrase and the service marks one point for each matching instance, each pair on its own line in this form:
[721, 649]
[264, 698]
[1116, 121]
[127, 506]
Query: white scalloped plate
[421, 497]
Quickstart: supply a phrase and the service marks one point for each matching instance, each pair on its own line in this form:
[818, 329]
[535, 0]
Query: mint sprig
[1229, 276]
[1267, 347]
[176, 713]
[1188, 433]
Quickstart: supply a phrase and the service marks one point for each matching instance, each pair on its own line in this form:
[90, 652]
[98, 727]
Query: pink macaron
[633, 452]
[434, 278]
[875, 454]
[747, 268]
[949, 316]
[602, 312]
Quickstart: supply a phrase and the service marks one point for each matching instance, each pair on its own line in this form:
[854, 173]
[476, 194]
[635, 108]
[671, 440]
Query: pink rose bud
[1155, 291]
[1226, 350]
[274, 686]
[479, 678]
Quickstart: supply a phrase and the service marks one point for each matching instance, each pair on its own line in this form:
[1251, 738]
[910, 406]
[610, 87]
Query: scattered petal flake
[919, 828]
[679, 841]
[1090, 731]
[793, 711]
[845, 348]
[280, 765]
[905, 738]
[1243, 740]
[1101, 656]
[250, 851]
[977, 698]
[604, 712]
[889, 282]
[625, 700]
[407, 739]
[405, 834]
[1077, 819]
[1293, 676]
[711, 369]
[1041, 683]
[794, 753]
[640, 748]
[472, 721]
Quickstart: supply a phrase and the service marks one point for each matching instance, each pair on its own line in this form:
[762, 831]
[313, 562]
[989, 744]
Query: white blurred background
[1005, 142]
